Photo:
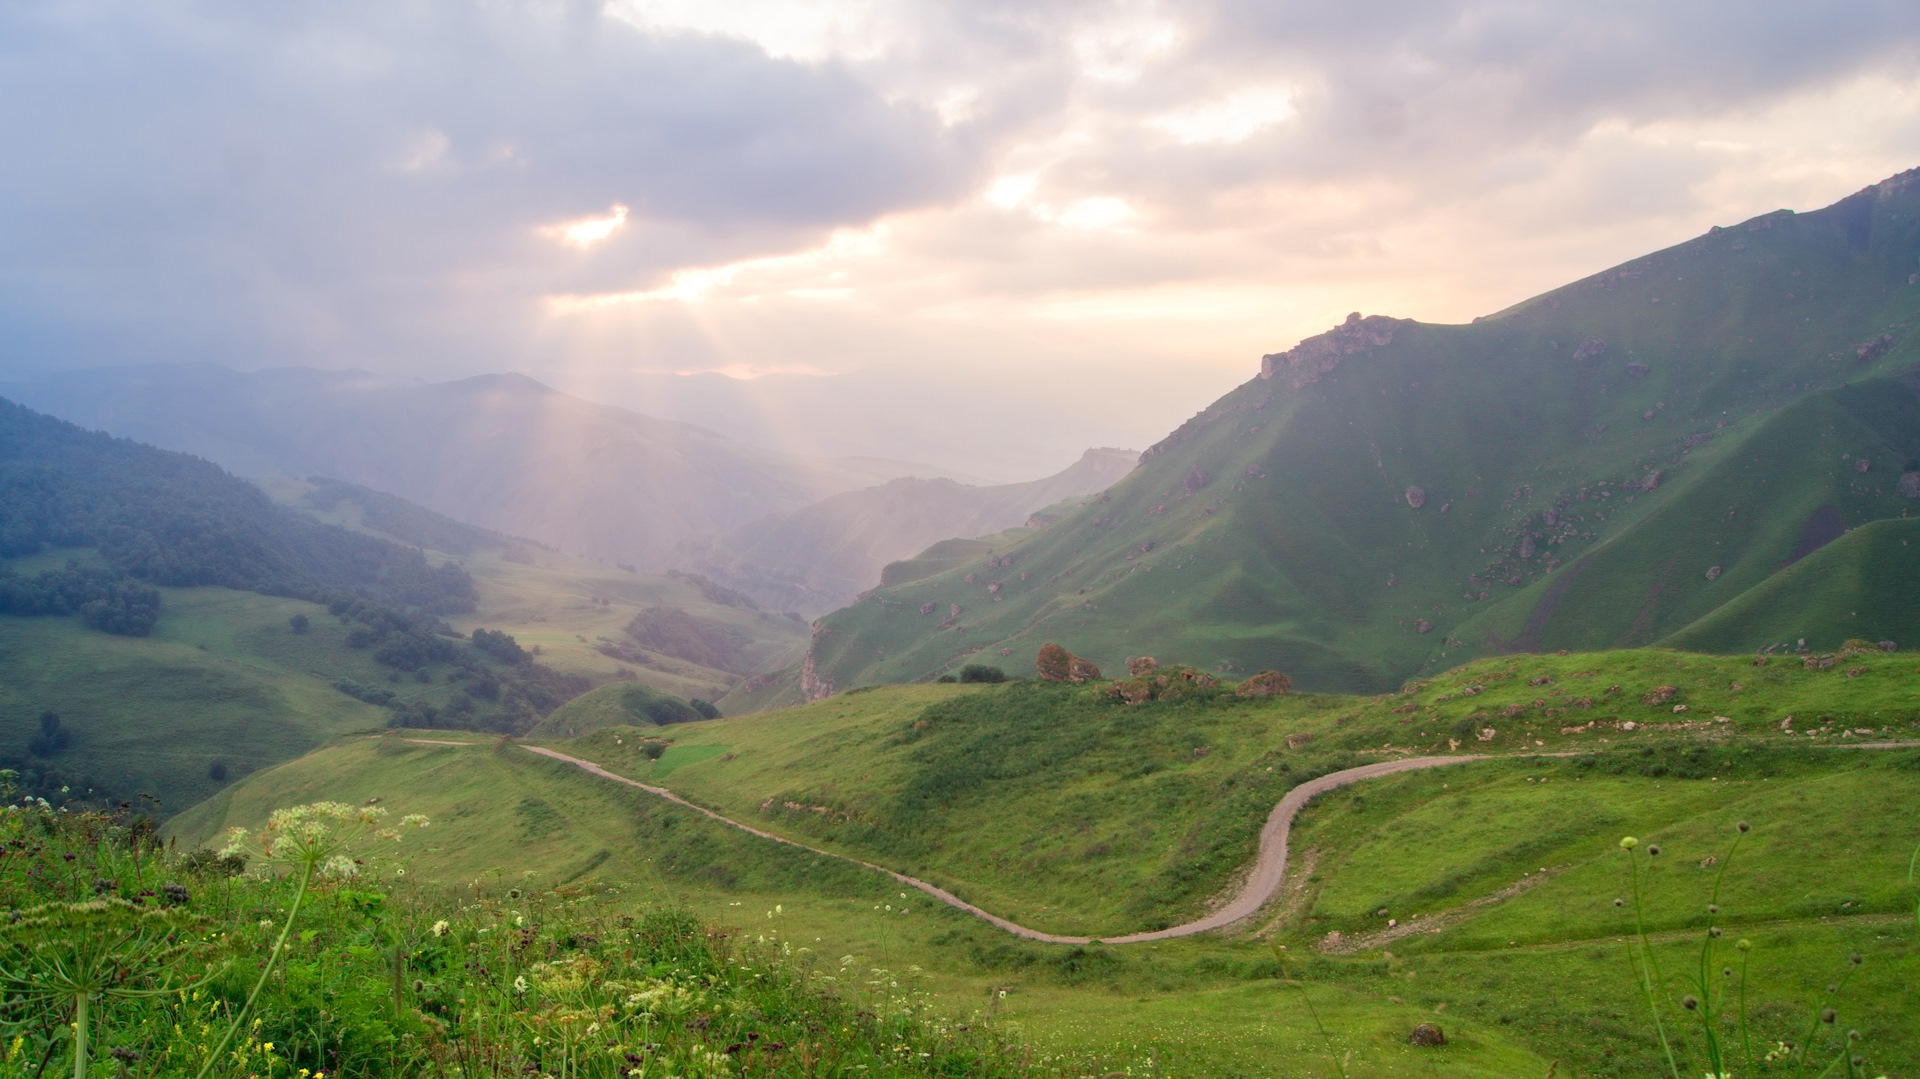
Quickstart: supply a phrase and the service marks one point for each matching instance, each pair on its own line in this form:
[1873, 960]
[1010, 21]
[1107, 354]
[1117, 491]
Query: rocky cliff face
[1307, 361]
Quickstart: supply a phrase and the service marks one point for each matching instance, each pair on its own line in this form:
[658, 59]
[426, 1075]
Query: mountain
[823, 556]
[499, 451]
[1605, 465]
[166, 518]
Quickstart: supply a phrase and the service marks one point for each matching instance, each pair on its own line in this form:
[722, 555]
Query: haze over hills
[1604, 465]
[964, 420]
[499, 451]
[823, 556]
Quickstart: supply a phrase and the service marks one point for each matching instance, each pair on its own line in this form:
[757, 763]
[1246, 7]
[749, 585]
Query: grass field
[1509, 866]
[222, 688]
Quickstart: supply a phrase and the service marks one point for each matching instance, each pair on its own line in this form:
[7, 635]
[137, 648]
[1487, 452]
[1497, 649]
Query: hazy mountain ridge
[499, 451]
[1395, 496]
[823, 556]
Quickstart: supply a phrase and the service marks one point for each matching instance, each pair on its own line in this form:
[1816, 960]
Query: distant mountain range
[823, 556]
[500, 451]
[1662, 452]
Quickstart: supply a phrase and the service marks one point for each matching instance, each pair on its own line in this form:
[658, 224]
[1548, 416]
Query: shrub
[980, 672]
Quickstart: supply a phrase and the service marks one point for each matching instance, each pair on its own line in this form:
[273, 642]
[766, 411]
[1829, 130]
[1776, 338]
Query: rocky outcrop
[1588, 348]
[1196, 479]
[1909, 485]
[1639, 370]
[1265, 684]
[1416, 497]
[1313, 358]
[813, 687]
[1056, 664]
[1871, 350]
[1526, 547]
[1141, 666]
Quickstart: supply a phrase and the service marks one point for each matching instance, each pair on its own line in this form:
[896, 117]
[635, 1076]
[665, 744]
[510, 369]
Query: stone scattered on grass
[1266, 684]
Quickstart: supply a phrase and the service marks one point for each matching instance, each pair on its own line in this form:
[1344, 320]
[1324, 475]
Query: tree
[500, 645]
[705, 708]
[299, 623]
[52, 739]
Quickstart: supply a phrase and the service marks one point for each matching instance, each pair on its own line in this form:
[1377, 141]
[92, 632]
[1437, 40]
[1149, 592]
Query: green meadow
[1478, 897]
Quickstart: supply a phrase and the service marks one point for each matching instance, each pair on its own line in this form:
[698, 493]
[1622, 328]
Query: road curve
[1263, 882]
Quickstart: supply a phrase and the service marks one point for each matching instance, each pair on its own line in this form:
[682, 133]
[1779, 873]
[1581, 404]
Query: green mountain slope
[1395, 497]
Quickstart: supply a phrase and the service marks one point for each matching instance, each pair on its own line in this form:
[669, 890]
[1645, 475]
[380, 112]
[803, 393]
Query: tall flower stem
[273, 960]
[80, 1001]
[1650, 967]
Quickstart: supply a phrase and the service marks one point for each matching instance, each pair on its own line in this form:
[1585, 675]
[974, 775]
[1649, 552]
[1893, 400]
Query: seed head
[1829, 1016]
[1715, 931]
[1653, 850]
[1855, 959]
[1690, 1002]
[1744, 945]
[1628, 843]
[1853, 1035]
[1744, 827]
[1859, 1061]
[1619, 902]
[1726, 972]
[1713, 908]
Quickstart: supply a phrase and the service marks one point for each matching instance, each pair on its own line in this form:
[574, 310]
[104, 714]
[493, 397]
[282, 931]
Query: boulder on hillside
[1196, 479]
[1428, 1035]
[1141, 666]
[1416, 497]
[1909, 485]
[1638, 370]
[1588, 349]
[1056, 664]
[1526, 547]
[1265, 684]
[1862, 465]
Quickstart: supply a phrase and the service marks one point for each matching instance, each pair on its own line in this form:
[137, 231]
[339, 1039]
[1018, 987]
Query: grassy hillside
[505, 818]
[821, 557]
[623, 704]
[1395, 497]
[221, 688]
[1070, 812]
[1007, 794]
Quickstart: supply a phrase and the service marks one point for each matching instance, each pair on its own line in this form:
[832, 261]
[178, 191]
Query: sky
[1096, 214]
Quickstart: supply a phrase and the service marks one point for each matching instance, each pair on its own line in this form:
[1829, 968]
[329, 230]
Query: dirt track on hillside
[1263, 881]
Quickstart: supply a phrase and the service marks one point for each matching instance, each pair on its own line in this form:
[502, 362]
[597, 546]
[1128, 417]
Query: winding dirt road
[1263, 882]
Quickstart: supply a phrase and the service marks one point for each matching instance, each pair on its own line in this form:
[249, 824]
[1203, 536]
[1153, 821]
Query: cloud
[1061, 192]
[363, 175]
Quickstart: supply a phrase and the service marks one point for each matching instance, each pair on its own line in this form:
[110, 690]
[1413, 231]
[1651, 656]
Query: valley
[1444, 700]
